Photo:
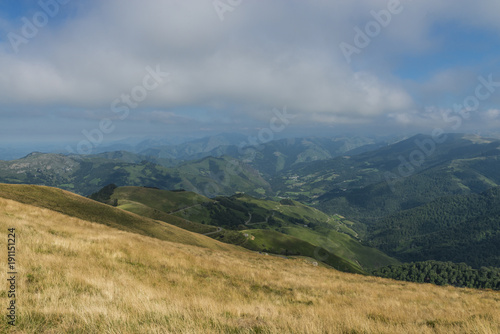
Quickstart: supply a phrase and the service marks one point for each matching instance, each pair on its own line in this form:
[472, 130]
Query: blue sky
[230, 66]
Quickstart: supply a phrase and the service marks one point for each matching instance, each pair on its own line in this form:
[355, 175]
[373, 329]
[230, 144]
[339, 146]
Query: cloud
[158, 116]
[492, 114]
[263, 55]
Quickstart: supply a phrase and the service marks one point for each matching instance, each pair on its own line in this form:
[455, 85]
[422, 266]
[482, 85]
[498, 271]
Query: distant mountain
[220, 176]
[138, 144]
[270, 157]
[195, 149]
[400, 176]
[125, 156]
[462, 228]
[87, 174]
[12, 151]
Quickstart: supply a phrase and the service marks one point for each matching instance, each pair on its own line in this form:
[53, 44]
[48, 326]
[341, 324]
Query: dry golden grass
[86, 209]
[81, 277]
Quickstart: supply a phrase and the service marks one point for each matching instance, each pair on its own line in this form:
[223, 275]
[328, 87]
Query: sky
[74, 70]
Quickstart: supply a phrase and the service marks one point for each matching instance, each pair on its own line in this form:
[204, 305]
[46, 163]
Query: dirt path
[209, 233]
[247, 223]
[187, 207]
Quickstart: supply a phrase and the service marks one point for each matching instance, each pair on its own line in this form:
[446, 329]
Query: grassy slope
[156, 203]
[327, 237]
[344, 246]
[83, 208]
[163, 200]
[301, 211]
[145, 211]
[278, 243]
[81, 277]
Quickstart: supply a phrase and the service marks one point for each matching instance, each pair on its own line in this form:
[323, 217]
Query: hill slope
[289, 220]
[83, 208]
[193, 209]
[462, 228]
[82, 277]
[279, 243]
[156, 204]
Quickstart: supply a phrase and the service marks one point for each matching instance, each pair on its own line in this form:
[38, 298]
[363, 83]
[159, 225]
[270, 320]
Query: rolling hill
[303, 229]
[154, 203]
[332, 233]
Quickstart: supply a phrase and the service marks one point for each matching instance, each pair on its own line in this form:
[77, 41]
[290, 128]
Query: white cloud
[263, 55]
[491, 114]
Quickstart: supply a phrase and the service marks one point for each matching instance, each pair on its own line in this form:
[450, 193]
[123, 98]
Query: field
[81, 277]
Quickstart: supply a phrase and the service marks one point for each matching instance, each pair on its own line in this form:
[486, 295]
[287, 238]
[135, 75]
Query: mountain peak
[33, 154]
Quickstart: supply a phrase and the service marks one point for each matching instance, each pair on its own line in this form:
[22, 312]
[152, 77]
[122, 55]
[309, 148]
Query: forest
[443, 273]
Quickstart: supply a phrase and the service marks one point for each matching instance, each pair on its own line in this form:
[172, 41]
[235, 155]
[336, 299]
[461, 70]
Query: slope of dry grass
[83, 208]
[82, 277]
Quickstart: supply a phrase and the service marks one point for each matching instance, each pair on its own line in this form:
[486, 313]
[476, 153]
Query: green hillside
[279, 243]
[278, 155]
[240, 212]
[163, 200]
[331, 232]
[158, 204]
[220, 176]
[84, 174]
[343, 246]
[463, 228]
